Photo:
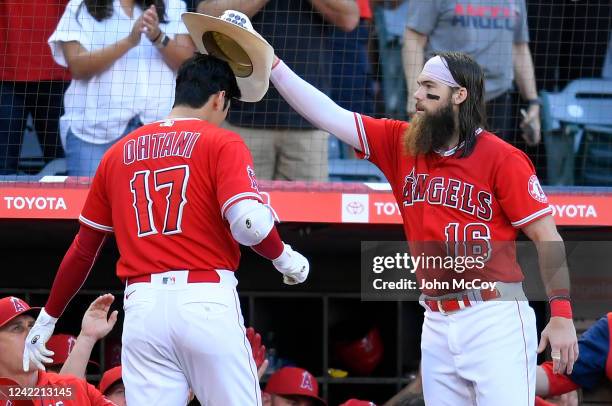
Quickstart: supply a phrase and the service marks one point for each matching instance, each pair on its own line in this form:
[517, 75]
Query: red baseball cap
[62, 345]
[11, 307]
[292, 381]
[357, 402]
[109, 378]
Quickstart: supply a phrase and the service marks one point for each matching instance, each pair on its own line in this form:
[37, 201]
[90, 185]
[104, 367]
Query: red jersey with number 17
[164, 189]
[469, 205]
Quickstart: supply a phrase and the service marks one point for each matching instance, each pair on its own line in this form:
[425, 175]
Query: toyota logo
[355, 207]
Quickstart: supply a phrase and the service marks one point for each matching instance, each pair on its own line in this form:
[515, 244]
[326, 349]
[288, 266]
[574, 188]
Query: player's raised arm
[96, 325]
[314, 105]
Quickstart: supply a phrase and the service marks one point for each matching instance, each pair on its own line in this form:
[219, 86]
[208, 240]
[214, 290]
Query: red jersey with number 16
[164, 189]
[469, 205]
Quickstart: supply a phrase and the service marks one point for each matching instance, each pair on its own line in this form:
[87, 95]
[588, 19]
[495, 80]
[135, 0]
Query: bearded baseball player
[180, 195]
[456, 183]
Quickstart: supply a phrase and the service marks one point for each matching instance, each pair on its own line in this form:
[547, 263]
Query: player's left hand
[293, 265]
[561, 334]
[531, 126]
[96, 324]
[150, 22]
[38, 336]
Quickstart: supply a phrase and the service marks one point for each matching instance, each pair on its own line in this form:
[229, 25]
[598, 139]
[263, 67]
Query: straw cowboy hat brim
[232, 38]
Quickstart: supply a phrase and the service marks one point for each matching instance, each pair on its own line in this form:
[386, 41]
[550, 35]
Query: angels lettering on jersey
[438, 190]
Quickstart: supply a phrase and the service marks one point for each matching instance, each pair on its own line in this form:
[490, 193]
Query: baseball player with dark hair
[460, 186]
[179, 194]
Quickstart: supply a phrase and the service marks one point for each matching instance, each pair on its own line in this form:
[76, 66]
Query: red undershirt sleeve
[74, 269]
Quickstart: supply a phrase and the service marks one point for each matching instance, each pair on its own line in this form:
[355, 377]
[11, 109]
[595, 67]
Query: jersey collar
[456, 148]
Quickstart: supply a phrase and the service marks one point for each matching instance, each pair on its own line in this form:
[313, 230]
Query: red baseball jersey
[164, 189]
[469, 206]
[60, 390]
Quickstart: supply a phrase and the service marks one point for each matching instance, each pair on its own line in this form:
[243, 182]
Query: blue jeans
[83, 158]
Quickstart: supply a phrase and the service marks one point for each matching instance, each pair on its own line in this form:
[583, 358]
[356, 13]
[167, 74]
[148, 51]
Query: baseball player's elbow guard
[250, 221]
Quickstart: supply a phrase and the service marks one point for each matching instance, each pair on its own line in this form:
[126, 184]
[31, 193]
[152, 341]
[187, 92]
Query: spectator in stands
[568, 40]
[283, 144]
[16, 319]
[30, 82]
[120, 79]
[191, 5]
[390, 19]
[352, 84]
[495, 33]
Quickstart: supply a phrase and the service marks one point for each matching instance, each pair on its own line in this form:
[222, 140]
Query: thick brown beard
[428, 132]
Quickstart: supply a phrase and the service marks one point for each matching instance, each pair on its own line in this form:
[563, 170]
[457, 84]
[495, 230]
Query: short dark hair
[472, 112]
[200, 77]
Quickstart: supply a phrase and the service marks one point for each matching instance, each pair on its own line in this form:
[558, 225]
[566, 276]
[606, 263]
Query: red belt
[452, 305]
[192, 277]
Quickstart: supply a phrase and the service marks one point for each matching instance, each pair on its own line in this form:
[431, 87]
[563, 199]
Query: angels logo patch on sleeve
[251, 174]
[535, 190]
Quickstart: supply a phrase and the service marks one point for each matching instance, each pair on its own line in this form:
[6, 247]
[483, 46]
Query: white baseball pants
[483, 355]
[179, 335]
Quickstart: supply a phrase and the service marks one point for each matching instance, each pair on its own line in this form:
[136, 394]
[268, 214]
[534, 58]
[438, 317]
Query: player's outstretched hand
[293, 265]
[561, 334]
[96, 323]
[35, 350]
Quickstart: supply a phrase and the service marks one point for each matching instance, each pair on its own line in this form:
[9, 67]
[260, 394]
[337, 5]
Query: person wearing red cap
[111, 385]
[292, 386]
[357, 402]
[16, 320]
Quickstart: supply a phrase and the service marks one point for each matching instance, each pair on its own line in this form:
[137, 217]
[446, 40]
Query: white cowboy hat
[232, 38]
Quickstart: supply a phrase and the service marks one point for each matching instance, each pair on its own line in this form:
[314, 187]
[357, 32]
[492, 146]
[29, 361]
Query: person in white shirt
[123, 56]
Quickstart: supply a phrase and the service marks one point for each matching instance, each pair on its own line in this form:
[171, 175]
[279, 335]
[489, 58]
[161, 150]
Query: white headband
[435, 68]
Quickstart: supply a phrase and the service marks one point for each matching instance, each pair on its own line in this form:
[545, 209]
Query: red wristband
[275, 63]
[561, 308]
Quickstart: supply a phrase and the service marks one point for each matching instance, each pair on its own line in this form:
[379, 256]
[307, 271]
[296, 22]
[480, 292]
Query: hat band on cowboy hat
[232, 38]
